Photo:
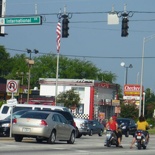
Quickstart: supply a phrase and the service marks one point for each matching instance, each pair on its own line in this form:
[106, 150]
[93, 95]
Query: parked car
[128, 126]
[68, 115]
[5, 123]
[82, 127]
[43, 125]
[95, 127]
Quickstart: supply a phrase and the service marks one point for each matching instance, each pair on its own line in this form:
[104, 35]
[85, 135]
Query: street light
[30, 62]
[22, 76]
[142, 69]
[126, 71]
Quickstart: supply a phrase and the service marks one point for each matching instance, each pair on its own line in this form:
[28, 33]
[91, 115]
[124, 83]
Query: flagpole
[58, 32]
[57, 73]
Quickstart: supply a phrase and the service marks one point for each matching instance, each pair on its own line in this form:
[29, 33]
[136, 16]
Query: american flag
[58, 32]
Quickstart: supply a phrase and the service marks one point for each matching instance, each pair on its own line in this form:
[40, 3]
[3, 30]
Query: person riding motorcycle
[143, 125]
[112, 124]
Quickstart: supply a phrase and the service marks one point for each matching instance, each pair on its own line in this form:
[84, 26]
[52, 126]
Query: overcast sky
[90, 37]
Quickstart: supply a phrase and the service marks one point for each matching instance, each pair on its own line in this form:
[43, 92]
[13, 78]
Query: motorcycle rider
[112, 124]
[143, 125]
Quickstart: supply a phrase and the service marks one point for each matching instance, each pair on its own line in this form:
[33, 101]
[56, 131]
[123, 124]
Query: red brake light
[14, 121]
[43, 123]
[74, 124]
[139, 134]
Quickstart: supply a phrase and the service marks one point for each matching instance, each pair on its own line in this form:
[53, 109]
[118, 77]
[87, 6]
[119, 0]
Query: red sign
[132, 90]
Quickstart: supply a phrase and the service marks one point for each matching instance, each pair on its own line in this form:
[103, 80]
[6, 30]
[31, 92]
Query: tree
[70, 98]
[5, 65]
[129, 111]
[45, 67]
[107, 76]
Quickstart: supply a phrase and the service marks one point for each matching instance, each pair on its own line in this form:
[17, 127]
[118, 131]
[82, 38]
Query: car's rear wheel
[52, 138]
[91, 133]
[72, 138]
[78, 135]
[127, 134]
[108, 143]
[18, 138]
[101, 133]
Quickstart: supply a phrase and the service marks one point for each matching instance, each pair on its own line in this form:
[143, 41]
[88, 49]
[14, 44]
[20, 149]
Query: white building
[96, 96]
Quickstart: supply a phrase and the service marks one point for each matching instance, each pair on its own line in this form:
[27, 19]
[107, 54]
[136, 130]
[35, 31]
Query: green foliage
[129, 111]
[151, 121]
[1, 103]
[5, 61]
[69, 98]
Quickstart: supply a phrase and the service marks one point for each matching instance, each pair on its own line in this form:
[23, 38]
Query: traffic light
[125, 27]
[65, 28]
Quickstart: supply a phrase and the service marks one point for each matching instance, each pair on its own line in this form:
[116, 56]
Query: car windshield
[120, 121]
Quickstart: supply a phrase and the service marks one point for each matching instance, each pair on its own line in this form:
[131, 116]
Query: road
[86, 145]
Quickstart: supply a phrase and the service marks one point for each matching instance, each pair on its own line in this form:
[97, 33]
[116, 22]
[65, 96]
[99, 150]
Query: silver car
[43, 125]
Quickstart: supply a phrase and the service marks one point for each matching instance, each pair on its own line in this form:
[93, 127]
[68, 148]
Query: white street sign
[12, 86]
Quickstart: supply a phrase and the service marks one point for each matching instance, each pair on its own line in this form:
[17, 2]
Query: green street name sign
[18, 21]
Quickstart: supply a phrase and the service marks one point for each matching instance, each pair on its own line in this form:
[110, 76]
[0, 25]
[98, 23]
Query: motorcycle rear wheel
[139, 146]
[108, 144]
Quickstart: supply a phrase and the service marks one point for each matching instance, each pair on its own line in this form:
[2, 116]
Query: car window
[56, 118]
[5, 110]
[62, 119]
[35, 115]
[67, 115]
[21, 108]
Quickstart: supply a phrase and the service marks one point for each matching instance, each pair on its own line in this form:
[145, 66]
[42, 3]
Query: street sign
[18, 21]
[12, 86]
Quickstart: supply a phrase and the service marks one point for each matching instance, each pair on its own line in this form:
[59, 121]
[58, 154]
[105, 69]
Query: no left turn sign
[12, 86]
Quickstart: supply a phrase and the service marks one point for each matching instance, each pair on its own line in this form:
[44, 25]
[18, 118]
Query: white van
[6, 108]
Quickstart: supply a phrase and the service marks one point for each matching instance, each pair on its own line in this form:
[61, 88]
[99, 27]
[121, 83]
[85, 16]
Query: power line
[82, 56]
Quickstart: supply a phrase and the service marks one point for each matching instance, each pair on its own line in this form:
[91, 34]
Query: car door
[132, 127]
[95, 127]
[58, 126]
[65, 128]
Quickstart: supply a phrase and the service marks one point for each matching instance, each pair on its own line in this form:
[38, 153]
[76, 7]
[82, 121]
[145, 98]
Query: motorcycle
[141, 141]
[111, 138]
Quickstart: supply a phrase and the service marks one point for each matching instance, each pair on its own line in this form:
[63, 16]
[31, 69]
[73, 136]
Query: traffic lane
[85, 145]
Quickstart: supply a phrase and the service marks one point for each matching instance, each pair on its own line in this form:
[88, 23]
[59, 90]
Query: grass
[152, 130]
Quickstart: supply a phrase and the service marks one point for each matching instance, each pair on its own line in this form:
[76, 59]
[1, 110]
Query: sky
[90, 37]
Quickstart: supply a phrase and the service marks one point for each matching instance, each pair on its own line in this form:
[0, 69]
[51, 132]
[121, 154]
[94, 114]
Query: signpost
[18, 21]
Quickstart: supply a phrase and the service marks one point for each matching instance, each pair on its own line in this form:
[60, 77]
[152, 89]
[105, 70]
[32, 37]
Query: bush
[1, 103]
[151, 121]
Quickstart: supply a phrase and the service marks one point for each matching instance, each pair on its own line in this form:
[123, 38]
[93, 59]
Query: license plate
[26, 129]
[138, 137]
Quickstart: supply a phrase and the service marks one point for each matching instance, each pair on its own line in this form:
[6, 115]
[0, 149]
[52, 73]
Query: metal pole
[11, 121]
[28, 84]
[126, 77]
[142, 69]
[57, 73]
[141, 81]
[143, 103]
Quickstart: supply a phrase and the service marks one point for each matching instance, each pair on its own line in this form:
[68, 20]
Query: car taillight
[14, 121]
[74, 124]
[43, 123]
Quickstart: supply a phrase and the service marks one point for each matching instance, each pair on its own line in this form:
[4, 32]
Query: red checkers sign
[12, 86]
